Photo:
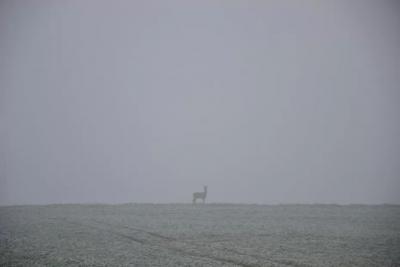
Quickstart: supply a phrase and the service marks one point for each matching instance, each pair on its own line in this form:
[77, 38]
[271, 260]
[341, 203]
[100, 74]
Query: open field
[200, 235]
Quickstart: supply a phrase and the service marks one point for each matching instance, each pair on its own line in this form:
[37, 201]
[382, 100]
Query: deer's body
[200, 195]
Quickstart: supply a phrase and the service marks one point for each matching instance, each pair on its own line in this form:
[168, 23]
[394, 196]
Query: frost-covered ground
[200, 235]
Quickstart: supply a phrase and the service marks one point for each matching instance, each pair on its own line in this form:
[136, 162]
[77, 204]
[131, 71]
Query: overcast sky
[147, 101]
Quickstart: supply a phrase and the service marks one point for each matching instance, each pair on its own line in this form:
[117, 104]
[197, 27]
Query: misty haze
[199, 133]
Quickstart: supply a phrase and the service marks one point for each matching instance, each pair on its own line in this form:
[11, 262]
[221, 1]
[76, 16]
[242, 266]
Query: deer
[201, 195]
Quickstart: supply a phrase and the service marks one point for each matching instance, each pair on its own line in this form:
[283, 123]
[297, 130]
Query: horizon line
[201, 204]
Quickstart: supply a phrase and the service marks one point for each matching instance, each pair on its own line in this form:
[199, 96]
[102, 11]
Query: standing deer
[201, 195]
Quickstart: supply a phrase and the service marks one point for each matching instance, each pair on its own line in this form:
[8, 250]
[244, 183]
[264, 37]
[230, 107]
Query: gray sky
[147, 101]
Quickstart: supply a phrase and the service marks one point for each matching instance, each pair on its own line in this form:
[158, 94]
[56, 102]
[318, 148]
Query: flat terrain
[200, 235]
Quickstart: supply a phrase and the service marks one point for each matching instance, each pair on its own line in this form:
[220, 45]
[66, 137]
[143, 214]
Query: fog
[147, 101]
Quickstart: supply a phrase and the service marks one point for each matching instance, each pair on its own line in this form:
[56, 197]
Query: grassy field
[200, 235]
